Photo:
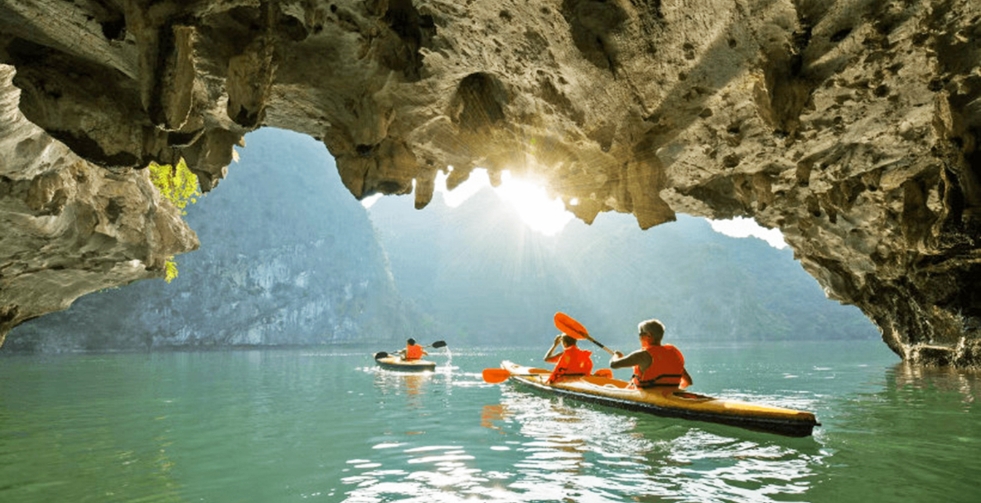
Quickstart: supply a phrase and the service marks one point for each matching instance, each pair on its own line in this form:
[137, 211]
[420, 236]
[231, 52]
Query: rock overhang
[851, 127]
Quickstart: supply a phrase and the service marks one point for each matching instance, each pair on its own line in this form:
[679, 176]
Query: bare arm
[549, 357]
[687, 377]
[639, 358]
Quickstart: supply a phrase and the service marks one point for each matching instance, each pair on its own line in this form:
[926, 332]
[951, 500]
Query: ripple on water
[284, 425]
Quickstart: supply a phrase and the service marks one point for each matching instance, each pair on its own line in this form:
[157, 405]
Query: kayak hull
[397, 363]
[668, 402]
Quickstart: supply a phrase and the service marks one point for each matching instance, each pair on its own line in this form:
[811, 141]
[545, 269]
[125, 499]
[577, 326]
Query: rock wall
[68, 227]
[852, 126]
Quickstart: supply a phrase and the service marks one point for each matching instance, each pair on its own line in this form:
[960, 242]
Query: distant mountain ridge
[488, 279]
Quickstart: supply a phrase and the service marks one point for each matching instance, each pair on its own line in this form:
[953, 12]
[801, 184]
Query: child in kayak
[654, 364]
[572, 361]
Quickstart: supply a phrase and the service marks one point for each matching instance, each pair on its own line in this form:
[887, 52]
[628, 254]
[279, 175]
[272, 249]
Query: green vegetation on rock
[176, 183]
[179, 186]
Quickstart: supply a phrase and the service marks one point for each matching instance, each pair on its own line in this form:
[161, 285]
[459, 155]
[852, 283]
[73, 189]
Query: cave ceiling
[851, 126]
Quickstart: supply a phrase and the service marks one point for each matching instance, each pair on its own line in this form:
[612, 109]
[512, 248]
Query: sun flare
[530, 201]
[539, 212]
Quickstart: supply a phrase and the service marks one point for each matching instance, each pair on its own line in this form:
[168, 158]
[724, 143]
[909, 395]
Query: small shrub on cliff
[176, 183]
[180, 186]
[171, 270]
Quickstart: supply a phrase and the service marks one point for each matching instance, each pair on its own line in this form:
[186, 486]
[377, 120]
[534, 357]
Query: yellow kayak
[394, 362]
[668, 402]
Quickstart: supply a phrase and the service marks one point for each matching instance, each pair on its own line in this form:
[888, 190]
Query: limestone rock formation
[69, 227]
[852, 126]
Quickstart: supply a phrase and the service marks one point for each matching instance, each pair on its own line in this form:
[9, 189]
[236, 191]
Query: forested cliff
[288, 257]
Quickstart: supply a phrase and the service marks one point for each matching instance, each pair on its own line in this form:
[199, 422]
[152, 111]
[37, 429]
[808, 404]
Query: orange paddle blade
[574, 329]
[494, 376]
[570, 327]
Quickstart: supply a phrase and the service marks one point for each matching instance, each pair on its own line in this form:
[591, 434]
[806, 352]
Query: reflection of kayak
[393, 362]
[668, 401]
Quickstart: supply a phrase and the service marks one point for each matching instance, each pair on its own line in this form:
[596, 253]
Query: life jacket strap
[653, 382]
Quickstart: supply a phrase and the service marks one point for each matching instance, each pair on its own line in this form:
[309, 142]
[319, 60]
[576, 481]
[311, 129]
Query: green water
[326, 425]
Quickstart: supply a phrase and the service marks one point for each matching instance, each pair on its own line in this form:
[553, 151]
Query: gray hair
[652, 326]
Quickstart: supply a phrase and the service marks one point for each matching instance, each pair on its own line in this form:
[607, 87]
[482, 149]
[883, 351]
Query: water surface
[327, 425]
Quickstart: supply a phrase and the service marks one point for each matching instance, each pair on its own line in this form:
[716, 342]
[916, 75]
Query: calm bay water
[327, 425]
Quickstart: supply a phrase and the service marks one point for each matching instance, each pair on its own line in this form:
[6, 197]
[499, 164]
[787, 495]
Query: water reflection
[285, 425]
[914, 437]
[918, 380]
[408, 384]
[491, 413]
[611, 453]
[536, 448]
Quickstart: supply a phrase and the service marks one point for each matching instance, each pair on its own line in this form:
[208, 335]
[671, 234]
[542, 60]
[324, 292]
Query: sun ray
[542, 214]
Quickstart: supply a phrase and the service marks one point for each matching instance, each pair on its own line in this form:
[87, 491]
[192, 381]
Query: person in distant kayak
[571, 361]
[412, 350]
[655, 364]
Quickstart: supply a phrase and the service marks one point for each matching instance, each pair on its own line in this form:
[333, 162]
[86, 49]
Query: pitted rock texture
[851, 126]
[69, 227]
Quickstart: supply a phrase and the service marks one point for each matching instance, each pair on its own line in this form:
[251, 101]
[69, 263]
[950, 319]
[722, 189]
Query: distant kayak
[394, 362]
[665, 401]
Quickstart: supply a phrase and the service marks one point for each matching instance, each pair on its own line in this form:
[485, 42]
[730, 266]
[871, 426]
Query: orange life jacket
[413, 352]
[667, 368]
[573, 361]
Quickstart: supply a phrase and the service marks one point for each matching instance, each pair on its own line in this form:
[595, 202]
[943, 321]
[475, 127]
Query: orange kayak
[668, 402]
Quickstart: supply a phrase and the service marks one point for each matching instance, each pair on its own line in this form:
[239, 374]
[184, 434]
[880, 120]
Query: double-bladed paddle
[574, 329]
[569, 326]
[437, 344]
[494, 376]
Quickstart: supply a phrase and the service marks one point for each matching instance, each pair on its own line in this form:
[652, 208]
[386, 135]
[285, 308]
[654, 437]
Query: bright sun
[529, 200]
[541, 214]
